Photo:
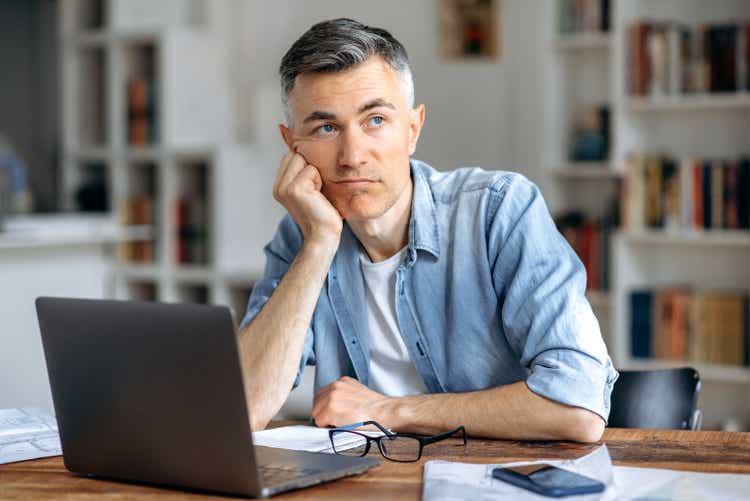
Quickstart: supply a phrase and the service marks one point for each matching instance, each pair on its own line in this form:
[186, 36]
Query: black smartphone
[548, 480]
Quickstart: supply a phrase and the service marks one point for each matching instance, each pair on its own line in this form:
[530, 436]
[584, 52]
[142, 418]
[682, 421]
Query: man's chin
[353, 213]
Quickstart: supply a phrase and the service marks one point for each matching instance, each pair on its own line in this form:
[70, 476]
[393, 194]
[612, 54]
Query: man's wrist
[397, 412]
[320, 248]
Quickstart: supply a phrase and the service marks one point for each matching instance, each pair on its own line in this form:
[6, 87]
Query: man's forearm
[510, 412]
[271, 345]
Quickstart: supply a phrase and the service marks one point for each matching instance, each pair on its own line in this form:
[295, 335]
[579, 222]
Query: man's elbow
[586, 427]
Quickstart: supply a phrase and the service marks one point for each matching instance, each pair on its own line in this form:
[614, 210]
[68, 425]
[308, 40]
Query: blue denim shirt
[489, 294]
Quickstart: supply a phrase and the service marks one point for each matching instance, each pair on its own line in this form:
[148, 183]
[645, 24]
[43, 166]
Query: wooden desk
[708, 451]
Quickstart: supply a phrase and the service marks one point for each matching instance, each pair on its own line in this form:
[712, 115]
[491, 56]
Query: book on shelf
[677, 323]
[577, 16]
[137, 210]
[93, 191]
[191, 231]
[669, 58]
[589, 140]
[661, 192]
[590, 240]
[141, 111]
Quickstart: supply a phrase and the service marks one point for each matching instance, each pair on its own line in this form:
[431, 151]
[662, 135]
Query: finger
[324, 392]
[296, 164]
[320, 407]
[324, 421]
[313, 174]
[282, 169]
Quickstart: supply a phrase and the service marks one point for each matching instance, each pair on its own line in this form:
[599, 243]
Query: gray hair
[337, 45]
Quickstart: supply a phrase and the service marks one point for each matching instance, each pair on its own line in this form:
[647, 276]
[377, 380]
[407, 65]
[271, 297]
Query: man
[426, 300]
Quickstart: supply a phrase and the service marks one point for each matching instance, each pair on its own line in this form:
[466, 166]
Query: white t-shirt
[392, 371]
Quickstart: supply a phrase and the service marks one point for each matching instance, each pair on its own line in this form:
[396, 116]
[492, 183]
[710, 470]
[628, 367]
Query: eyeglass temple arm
[447, 434]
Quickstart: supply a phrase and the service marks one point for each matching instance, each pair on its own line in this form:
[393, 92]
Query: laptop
[153, 392]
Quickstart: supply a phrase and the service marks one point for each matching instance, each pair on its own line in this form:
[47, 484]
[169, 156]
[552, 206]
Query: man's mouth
[354, 182]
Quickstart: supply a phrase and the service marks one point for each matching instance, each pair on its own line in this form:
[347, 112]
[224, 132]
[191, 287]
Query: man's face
[356, 128]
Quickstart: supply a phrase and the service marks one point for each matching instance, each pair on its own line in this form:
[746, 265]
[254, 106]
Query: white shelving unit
[584, 171]
[578, 71]
[739, 102]
[191, 158]
[582, 41]
[708, 125]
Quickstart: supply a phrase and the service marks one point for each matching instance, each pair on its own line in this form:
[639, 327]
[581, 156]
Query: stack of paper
[304, 438]
[449, 481]
[27, 434]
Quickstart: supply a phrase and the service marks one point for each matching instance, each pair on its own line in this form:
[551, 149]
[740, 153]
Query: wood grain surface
[707, 451]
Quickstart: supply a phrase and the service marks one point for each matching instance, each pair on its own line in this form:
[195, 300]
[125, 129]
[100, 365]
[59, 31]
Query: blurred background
[139, 143]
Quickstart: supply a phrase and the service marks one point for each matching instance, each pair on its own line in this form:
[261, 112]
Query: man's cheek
[321, 154]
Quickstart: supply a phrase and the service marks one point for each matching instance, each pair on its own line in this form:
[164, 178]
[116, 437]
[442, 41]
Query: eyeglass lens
[348, 443]
[400, 448]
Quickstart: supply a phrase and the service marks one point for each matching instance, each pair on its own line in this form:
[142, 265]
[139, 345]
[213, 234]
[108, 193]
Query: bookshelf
[584, 171]
[147, 121]
[739, 102]
[578, 62]
[711, 240]
[705, 125]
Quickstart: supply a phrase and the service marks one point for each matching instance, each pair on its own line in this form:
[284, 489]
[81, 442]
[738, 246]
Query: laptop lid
[150, 392]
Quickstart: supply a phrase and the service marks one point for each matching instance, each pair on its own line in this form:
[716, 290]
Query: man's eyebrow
[375, 103]
[319, 115]
[324, 115]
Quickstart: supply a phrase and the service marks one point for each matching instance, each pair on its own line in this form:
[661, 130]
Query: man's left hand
[347, 401]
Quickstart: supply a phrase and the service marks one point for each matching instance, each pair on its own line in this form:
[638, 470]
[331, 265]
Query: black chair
[664, 399]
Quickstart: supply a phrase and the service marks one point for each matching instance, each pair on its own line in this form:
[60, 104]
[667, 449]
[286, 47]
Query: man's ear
[286, 135]
[416, 120]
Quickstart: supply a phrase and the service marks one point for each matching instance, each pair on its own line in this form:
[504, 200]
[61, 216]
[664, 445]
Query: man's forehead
[350, 89]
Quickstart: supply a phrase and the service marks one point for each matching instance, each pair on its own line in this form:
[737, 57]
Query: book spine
[654, 192]
[674, 58]
[706, 194]
[686, 193]
[743, 193]
[730, 196]
[641, 323]
[670, 195]
[697, 195]
[717, 195]
[605, 13]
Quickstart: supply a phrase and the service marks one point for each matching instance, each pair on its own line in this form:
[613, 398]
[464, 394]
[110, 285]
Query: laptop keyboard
[279, 474]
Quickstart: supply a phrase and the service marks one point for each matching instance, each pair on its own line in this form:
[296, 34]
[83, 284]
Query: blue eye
[376, 121]
[326, 129]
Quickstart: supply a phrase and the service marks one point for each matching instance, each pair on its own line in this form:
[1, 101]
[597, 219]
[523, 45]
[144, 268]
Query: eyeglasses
[402, 447]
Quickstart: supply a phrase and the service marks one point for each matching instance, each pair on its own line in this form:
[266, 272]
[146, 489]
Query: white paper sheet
[302, 438]
[650, 483]
[448, 481]
[451, 481]
[27, 434]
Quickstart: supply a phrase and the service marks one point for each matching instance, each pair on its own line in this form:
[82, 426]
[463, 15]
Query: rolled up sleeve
[546, 317]
[280, 252]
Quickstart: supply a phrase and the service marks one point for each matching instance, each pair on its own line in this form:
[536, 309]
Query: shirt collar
[424, 233]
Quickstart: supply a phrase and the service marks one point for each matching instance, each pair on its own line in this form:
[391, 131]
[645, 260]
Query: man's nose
[352, 148]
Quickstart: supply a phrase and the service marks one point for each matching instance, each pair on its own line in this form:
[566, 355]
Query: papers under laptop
[27, 434]
[304, 438]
